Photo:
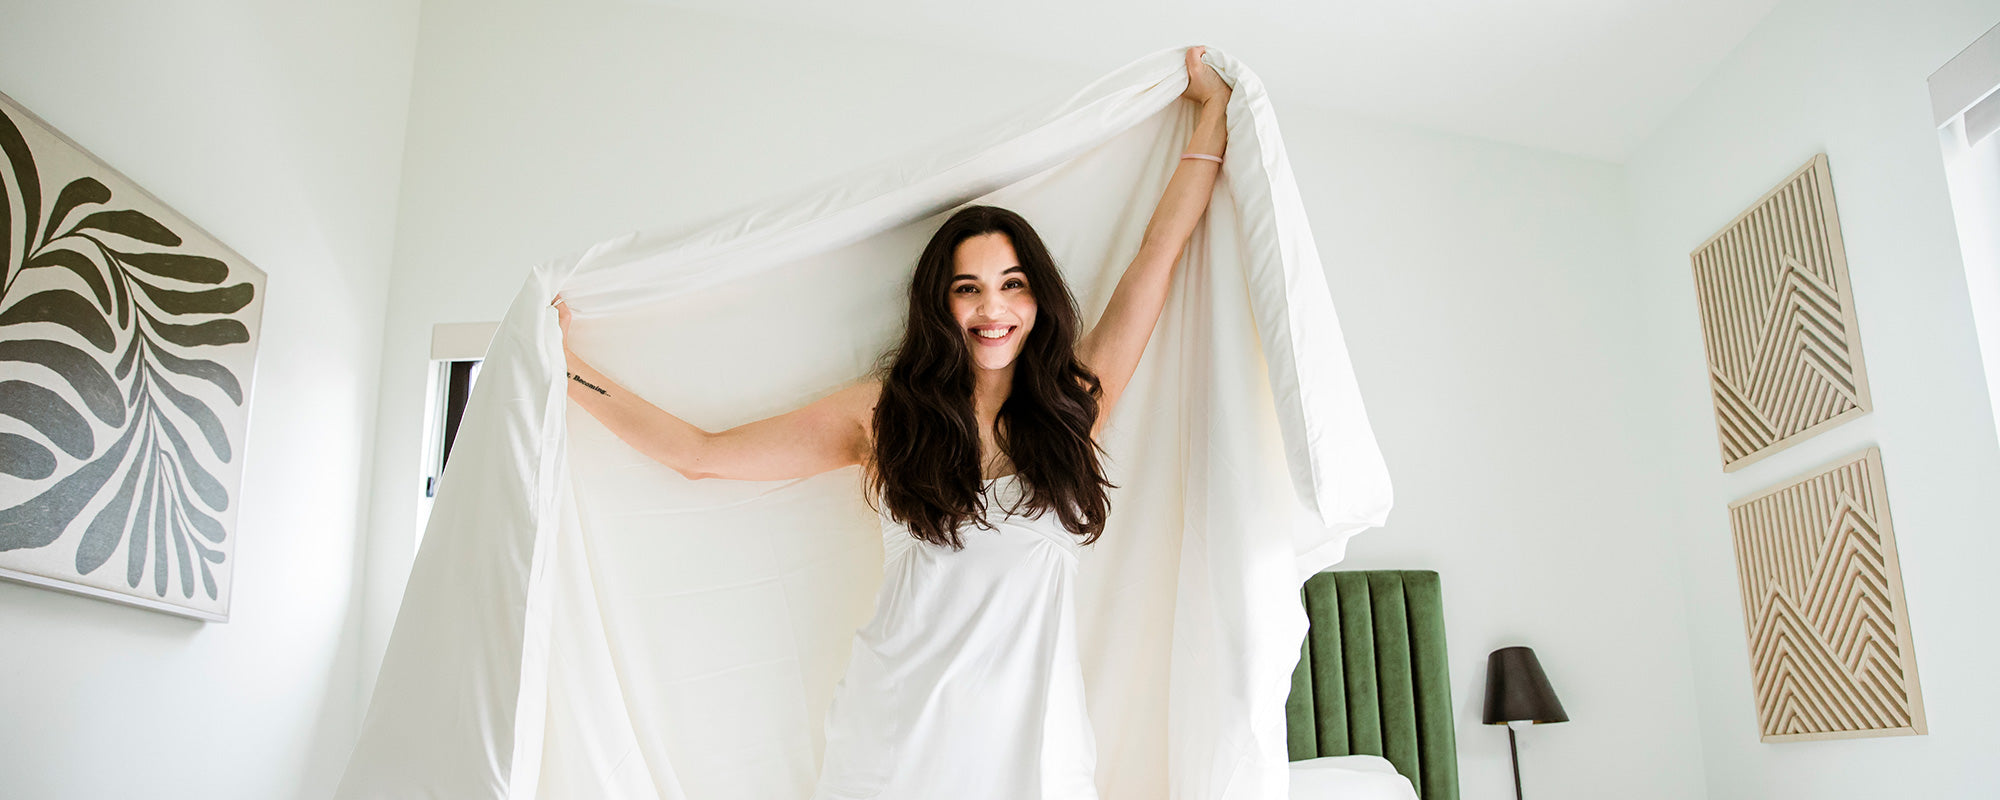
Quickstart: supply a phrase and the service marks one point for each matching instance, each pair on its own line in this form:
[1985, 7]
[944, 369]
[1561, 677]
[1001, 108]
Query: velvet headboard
[1373, 678]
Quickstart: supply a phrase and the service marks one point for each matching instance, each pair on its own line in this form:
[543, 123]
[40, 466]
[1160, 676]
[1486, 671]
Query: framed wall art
[127, 341]
[1777, 319]
[1830, 652]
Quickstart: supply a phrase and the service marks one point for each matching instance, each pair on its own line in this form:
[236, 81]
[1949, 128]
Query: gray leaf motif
[132, 225]
[164, 308]
[84, 374]
[80, 192]
[27, 182]
[82, 266]
[49, 414]
[104, 533]
[44, 517]
[66, 308]
[193, 269]
[23, 457]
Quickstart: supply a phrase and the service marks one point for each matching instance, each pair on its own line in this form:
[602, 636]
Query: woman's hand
[1204, 84]
[562, 318]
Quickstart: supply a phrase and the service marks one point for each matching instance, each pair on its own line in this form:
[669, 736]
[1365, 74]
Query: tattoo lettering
[588, 385]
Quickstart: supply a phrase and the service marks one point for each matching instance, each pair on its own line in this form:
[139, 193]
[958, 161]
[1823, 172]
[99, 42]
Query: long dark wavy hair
[926, 468]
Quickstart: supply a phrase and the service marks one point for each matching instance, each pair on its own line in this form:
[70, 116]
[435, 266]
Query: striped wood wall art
[1777, 316]
[1830, 651]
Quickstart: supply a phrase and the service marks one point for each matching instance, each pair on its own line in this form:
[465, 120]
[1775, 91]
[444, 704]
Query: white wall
[1485, 295]
[1847, 78]
[1470, 276]
[279, 130]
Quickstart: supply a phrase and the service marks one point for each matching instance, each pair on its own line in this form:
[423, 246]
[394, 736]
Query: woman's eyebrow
[963, 277]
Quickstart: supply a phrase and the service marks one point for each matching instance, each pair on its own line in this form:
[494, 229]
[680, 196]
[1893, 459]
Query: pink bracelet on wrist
[1203, 156]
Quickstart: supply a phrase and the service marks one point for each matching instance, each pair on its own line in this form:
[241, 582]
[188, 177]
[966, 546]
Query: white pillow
[1349, 778]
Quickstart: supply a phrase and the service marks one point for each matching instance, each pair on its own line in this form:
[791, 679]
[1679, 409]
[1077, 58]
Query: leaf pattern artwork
[126, 339]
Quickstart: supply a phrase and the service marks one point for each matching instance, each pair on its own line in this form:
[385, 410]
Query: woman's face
[991, 299]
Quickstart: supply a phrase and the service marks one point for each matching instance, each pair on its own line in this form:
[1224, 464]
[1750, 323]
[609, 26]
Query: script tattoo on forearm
[588, 385]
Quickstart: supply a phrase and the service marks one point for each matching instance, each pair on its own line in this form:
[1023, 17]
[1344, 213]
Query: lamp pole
[1514, 755]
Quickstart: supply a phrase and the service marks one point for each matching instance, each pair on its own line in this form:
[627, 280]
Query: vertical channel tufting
[1301, 719]
[1329, 690]
[1392, 671]
[1357, 628]
[1437, 742]
[1373, 676]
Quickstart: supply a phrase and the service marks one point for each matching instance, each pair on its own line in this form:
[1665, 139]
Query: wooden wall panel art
[1777, 316]
[1829, 634]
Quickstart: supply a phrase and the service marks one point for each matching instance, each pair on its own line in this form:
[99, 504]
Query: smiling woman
[987, 382]
[993, 380]
[944, 415]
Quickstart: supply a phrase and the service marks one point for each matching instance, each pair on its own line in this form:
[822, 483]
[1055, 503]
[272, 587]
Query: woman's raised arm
[826, 434]
[1112, 349]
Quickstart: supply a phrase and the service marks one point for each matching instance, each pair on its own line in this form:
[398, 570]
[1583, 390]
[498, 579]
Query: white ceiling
[1586, 77]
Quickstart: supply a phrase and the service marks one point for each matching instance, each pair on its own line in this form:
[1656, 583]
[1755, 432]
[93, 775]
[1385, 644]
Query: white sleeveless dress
[966, 685]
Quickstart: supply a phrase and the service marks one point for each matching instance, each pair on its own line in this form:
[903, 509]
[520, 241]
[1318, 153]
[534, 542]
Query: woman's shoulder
[843, 419]
[856, 401]
[860, 395]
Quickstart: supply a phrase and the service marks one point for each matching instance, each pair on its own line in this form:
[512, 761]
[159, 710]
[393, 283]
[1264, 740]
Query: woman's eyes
[967, 288]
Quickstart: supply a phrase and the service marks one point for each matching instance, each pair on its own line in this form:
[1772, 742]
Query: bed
[1373, 684]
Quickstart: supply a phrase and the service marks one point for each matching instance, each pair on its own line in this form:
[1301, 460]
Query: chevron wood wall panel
[1777, 315]
[1823, 605]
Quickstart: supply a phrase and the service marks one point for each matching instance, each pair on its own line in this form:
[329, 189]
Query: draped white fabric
[582, 622]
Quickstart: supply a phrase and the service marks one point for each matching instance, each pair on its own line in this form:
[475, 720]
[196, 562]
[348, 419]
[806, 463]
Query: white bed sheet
[1349, 778]
[581, 622]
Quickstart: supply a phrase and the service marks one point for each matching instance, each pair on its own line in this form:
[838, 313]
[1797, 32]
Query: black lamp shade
[1517, 691]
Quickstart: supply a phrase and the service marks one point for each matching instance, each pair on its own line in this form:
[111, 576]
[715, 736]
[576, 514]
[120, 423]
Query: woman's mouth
[993, 335]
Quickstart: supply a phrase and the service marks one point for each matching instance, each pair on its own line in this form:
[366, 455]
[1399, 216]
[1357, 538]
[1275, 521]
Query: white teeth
[993, 333]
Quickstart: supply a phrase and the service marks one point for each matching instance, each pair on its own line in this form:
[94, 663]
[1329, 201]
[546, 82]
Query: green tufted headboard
[1373, 678]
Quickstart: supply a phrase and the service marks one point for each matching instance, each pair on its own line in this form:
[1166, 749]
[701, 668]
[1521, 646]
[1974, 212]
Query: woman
[979, 445]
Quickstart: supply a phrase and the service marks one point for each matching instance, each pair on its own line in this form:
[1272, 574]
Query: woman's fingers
[1203, 81]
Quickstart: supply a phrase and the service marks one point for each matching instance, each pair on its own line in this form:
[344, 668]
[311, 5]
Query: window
[452, 387]
[456, 352]
[1965, 101]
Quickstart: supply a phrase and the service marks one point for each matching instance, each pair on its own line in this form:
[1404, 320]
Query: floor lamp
[1518, 691]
